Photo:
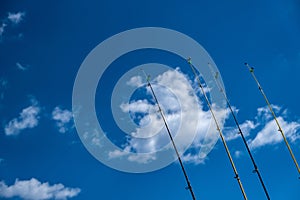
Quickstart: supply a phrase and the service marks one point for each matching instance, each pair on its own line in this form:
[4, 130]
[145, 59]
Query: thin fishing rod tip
[142, 70]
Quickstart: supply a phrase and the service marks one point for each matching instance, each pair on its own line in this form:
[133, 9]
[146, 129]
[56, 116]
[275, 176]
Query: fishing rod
[189, 186]
[251, 69]
[189, 60]
[216, 78]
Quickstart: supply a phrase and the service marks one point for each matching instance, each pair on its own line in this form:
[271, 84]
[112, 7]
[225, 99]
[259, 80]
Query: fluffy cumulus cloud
[63, 118]
[184, 114]
[270, 135]
[28, 118]
[33, 189]
[266, 128]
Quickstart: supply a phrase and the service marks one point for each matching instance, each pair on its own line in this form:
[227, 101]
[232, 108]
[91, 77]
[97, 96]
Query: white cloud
[3, 83]
[183, 110]
[178, 83]
[3, 87]
[139, 158]
[264, 114]
[63, 119]
[139, 106]
[11, 19]
[96, 141]
[232, 133]
[238, 154]
[266, 128]
[16, 18]
[269, 135]
[173, 85]
[2, 28]
[21, 67]
[118, 153]
[28, 118]
[135, 81]
[33, 189]
[196, 87]
[94, 136]
[192, 158]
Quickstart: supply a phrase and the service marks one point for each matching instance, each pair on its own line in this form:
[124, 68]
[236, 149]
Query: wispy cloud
[266, 128]
[3, 87]
[33, 189]
[238, 154]
[192, 158]
[269, 135]
[138, 158]
[232, 133]
[28, 118]
[63, 119]
[11, 19]
[264, 114]
[2, 28]
[21, 67]
[16, 18]
[94, 136]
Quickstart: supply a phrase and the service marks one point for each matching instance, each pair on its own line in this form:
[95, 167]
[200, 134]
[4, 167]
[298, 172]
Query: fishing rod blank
[216, 78]
[251, 69]
[219, 130]
[189, 186]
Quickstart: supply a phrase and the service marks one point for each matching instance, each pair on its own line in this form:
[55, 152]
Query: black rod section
[216, 78]
[219, 130]
[189, 186]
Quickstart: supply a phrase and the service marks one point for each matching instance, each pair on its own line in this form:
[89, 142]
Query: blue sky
[42, 46]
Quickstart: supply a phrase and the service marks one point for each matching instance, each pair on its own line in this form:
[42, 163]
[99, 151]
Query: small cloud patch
[63, 119]
[33, 189]
[28, 118]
